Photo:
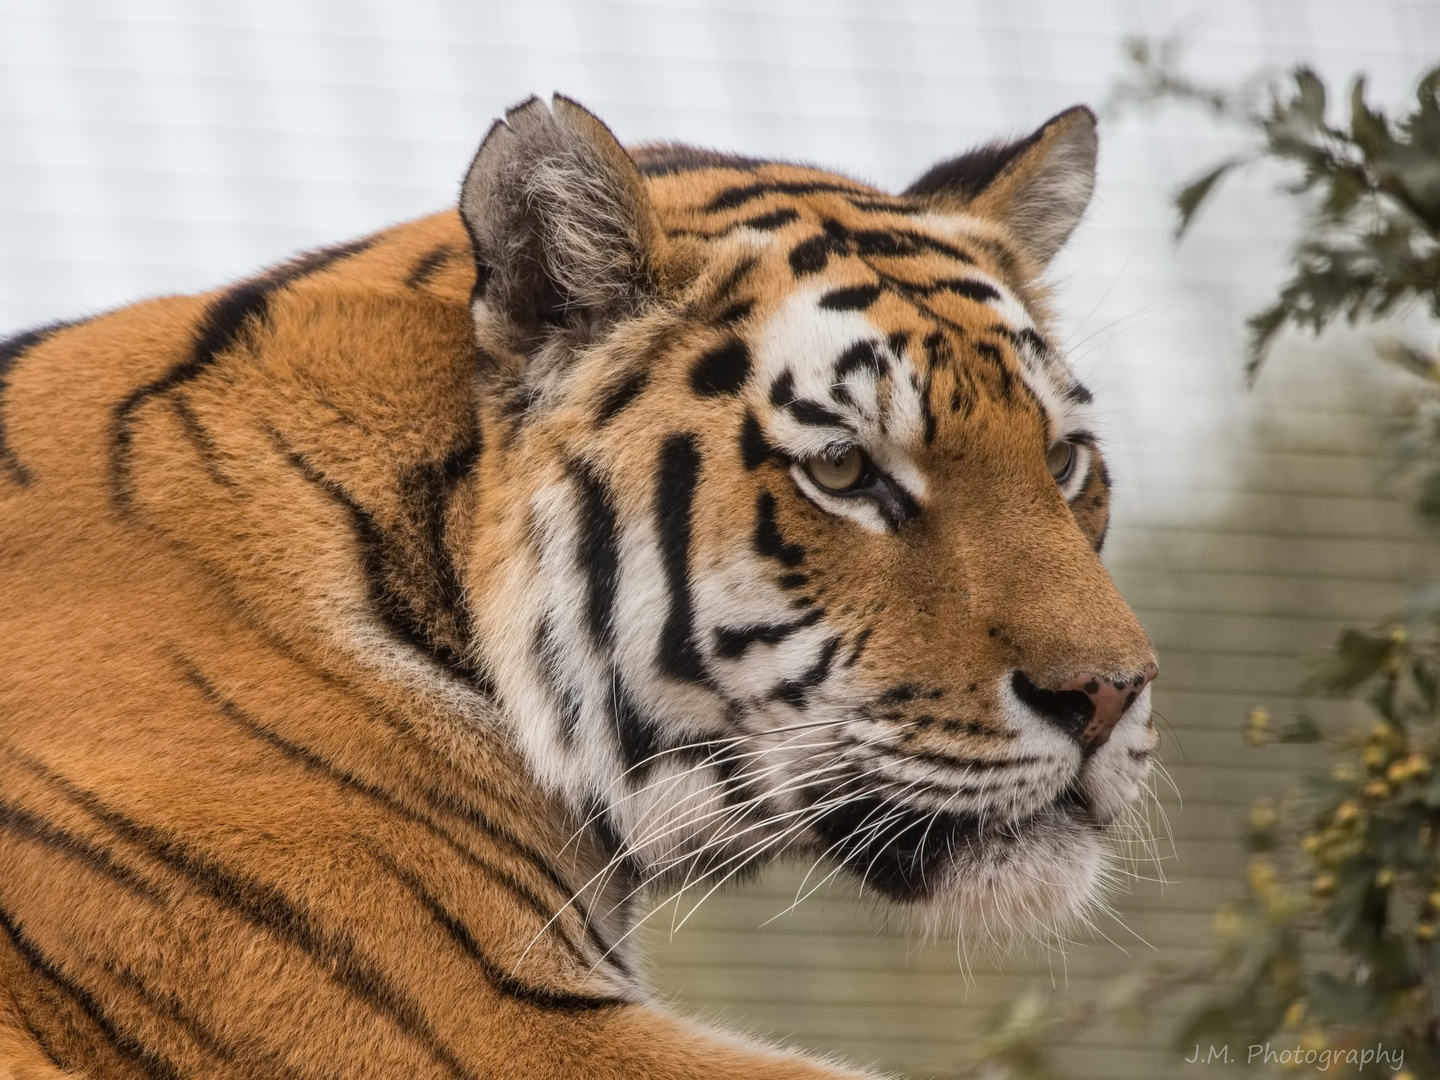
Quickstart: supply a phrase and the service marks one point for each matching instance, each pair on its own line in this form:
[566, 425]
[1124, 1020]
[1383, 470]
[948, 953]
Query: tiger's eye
[1060, 459]
[839, 474]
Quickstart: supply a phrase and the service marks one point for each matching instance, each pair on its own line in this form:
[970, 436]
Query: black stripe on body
[679, 473]
[767, 538]
[11, 351]
[538, 996]
[428, 265]
[620, 396]
[794, 691]
[397, 611]
[268, 908]
[348, 781]
[36, 830]
[721, 370]
[598, 554]
[733, 641]
[198, 435]
[146, 1060]
[225, 323]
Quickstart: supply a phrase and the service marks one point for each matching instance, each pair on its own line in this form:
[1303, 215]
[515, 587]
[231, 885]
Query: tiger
[382, 633]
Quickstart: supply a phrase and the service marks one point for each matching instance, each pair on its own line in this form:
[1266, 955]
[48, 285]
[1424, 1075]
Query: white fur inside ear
[1049, 202]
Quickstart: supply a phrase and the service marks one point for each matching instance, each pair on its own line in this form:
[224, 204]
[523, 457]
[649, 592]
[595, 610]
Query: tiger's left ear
[1037, 187]
[564, 234]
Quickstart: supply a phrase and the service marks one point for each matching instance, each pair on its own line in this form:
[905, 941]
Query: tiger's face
[790, 515]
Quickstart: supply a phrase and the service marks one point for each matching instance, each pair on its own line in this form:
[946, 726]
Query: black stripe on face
[805, 411]
[732, 641]
[795, 691]
[755, 449]
[11, 350]
[226, 322]
[731, 198]
[992, 353]
[636, 735]
[271, 910]
[861, 640]
[679, 473]
[767, 540]
[621, 396]
[736, 312]
[1079, 393]
[722, 370]
[810, 256]
[127, 1045]
[598, 554]
[774, 220]
[856, 298]
[547, 648]
[970, 289]
[864, 355]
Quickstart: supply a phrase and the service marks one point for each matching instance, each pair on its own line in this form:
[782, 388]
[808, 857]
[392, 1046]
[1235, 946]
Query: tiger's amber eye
[1060, 459]
[839, 474]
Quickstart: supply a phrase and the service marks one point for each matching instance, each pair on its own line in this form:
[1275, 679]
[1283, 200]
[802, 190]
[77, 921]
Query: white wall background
[151, 146]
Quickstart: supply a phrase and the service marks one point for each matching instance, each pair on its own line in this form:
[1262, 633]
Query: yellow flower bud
[1397, 635]
[1263, 814]
[1376, 789]
[1295, 1013]
[1374, 757]
[1343, 773]
[1323, 885]
[1384, 877]
[1310, 843]
[1398, 772]
[1347, 812]
[1380, 731]
[1425, 931]
[1418, 764]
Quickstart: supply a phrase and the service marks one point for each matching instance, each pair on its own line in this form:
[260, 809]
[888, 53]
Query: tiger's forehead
[871, 316]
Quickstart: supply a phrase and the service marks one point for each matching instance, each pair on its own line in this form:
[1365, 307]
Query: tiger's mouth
[912, 854]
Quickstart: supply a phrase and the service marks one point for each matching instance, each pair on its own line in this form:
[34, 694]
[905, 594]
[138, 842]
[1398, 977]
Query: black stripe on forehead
[811, 255]
[734, 197]
[721, 370]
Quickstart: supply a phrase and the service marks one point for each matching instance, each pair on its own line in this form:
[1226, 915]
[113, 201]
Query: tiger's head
[790, 512]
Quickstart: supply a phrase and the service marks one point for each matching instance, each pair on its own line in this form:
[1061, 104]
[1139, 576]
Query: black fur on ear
[1037, 187]
[563, 231]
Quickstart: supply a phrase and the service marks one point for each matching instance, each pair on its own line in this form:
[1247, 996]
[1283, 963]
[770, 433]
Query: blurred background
[155, 146]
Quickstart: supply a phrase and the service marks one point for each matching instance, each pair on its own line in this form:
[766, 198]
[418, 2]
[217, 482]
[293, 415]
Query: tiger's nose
[1086, 706]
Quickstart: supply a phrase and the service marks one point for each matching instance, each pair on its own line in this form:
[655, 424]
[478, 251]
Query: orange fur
[261, 811]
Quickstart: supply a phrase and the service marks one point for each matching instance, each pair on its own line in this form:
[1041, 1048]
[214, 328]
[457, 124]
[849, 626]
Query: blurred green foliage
[1331, 946]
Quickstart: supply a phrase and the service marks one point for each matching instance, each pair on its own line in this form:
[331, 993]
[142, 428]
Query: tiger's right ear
[564, 234]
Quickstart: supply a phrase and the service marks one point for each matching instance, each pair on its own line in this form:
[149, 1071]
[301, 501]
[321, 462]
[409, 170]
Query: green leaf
[1356, 658]
[1189, 198]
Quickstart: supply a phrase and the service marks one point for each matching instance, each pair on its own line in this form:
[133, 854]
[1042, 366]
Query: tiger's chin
[1028, 878]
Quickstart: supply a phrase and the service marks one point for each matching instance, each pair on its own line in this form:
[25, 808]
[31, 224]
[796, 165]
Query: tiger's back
[297, 772]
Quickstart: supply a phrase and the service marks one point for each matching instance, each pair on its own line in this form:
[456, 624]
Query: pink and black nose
[1086, 706]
